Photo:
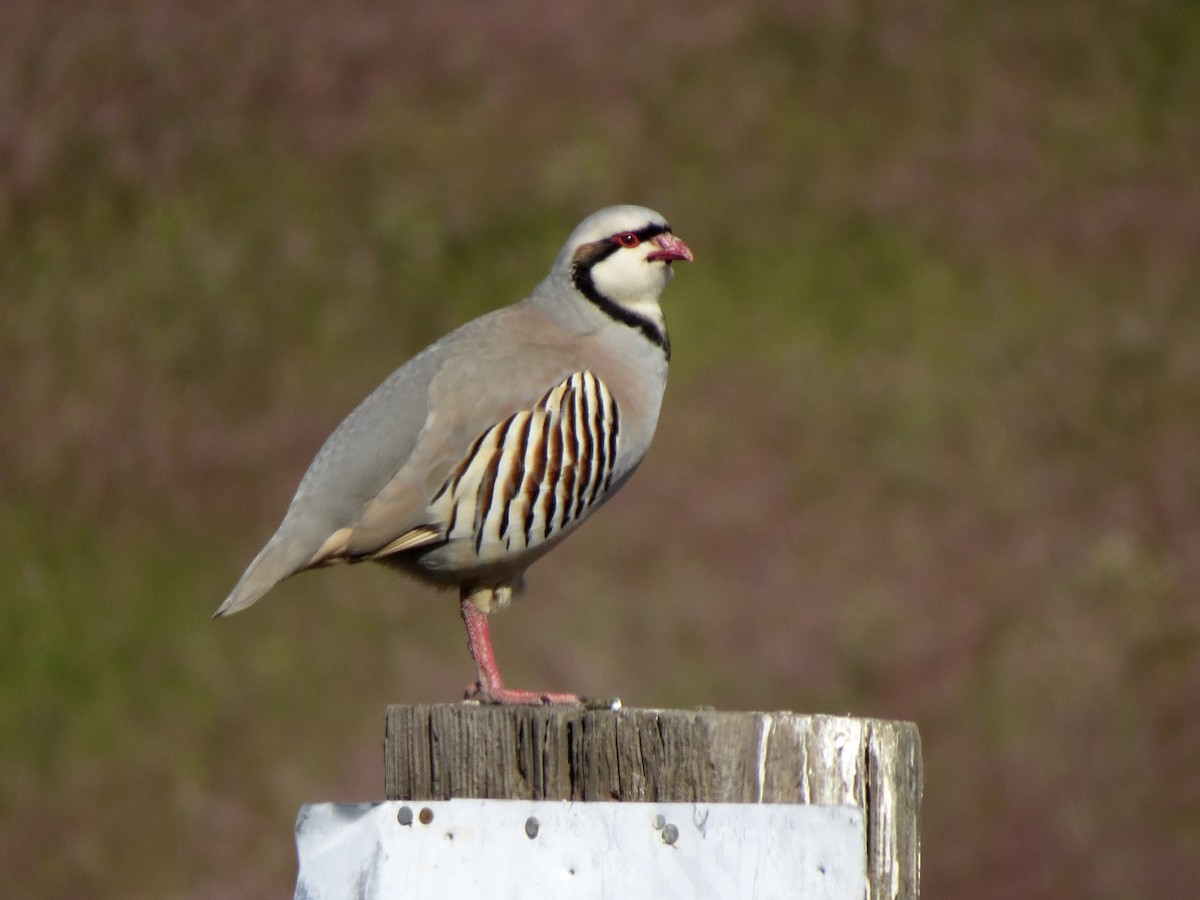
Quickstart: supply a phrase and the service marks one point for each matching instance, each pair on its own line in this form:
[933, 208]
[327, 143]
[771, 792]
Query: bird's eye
[627, 239]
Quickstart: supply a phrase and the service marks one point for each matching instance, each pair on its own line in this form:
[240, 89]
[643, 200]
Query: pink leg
[490, 687]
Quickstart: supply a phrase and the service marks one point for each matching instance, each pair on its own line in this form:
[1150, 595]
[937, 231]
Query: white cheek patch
[628, 279]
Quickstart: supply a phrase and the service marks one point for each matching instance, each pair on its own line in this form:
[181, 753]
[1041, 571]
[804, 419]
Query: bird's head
[622, 255]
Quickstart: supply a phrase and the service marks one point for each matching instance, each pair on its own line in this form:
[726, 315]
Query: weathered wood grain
[445, 751]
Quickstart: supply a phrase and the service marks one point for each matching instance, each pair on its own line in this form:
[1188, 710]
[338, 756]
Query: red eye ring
[627, 239]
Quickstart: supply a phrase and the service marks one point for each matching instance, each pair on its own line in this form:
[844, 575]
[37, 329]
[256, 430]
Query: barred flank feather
[533, 474]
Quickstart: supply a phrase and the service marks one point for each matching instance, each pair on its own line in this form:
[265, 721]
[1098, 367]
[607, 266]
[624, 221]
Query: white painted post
[571, 802]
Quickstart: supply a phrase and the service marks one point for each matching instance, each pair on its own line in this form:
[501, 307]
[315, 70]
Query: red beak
[670, 248]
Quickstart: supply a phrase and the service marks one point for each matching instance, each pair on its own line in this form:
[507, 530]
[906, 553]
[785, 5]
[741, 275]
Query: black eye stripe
[645, 234]
[588, 255]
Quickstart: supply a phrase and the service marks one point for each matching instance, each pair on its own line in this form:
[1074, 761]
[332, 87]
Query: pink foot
[490, 686]
[500, 695]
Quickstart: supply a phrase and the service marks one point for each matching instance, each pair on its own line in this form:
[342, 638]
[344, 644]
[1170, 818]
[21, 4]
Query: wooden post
[450, 751]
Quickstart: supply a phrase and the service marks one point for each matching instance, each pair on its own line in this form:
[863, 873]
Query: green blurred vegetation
[931, 448]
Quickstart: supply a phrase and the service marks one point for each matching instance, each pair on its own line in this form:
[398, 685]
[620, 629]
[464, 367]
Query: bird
[495, 442]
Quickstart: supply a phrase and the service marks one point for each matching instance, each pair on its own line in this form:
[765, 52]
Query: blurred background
[930, 451]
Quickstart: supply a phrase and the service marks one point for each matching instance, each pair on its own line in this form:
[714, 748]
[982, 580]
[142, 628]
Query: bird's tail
[275, 562]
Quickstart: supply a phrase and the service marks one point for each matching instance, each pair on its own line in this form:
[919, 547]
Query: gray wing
[352, 466]
[370, 488]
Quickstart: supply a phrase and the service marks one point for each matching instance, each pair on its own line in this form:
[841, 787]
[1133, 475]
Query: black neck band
[581, 277]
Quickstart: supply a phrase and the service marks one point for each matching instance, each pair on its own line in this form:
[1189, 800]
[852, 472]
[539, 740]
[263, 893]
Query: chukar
[492, 444]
